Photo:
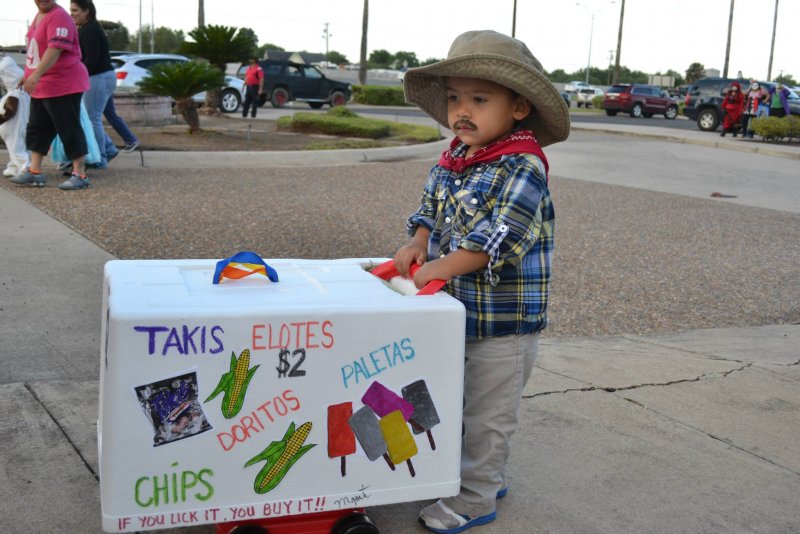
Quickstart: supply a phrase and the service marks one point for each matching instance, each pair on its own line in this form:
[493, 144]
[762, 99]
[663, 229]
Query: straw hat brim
[549, 118]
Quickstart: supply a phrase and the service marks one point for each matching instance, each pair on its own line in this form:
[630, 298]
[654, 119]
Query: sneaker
[74, 182]
[439, 518]
[502, 492]
[9, 173]
[29, 178]
[130, 147]
[112, 156]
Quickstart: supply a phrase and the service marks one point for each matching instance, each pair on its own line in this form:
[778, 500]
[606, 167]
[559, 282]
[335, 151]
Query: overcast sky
[657, 34]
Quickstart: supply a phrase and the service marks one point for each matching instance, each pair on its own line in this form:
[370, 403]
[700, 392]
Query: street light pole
[591, 33]
[589, 59]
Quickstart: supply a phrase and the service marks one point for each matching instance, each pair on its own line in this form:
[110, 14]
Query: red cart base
[352, 521]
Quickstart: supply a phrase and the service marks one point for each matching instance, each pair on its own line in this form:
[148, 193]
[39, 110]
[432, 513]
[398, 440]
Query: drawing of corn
[234, 383]
[280, 456]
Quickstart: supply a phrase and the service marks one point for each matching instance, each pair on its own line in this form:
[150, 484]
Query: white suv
[132, 68]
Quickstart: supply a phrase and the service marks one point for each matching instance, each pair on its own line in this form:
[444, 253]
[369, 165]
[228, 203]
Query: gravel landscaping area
[654, 263]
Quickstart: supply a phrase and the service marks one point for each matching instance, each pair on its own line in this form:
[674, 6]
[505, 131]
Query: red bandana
[519, 142]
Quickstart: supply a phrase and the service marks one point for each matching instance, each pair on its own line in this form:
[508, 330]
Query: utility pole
[201, 14]
[326, 35]
[772, 46]
[728, 46]
[610, 59]
[514, 21]
[152, 29]
[140, 27]
[615, 79]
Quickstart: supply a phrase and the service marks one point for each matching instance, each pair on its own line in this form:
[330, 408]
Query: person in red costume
[732, 106]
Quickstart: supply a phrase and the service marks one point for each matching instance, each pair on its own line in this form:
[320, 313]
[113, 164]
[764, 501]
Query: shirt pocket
[473, 211]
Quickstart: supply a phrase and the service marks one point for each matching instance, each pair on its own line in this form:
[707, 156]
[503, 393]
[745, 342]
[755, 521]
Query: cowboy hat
[492, 56]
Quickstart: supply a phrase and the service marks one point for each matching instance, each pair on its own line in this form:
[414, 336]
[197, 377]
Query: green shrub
[777, 128]
[379, 95]
[597, 102]
[336, 124]
[343, 122]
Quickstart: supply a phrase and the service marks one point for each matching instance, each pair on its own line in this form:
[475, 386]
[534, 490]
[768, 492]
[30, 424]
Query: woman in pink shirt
[56, 80]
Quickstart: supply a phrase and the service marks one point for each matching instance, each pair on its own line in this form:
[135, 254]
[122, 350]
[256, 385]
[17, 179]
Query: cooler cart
[285, 396]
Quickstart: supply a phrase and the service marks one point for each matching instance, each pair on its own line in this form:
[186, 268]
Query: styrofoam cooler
[251, 399]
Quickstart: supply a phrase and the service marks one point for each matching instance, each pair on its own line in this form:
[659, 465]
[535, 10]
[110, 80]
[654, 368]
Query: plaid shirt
[502, 208]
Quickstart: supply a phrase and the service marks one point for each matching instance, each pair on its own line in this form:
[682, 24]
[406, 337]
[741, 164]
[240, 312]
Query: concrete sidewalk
[688, 432]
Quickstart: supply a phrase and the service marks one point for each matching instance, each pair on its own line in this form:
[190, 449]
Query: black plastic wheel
[355, 523]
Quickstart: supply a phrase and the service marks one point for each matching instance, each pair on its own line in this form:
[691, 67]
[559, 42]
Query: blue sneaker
[440, 519]
[28, 178]
[74, 182]
[502, 492]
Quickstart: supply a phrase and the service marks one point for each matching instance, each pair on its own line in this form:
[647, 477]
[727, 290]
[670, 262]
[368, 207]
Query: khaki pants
[495, 373]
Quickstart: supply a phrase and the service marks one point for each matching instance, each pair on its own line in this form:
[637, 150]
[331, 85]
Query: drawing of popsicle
[399, 440]
[425, 416]
[384, 401]
[341, 440]
[368, 432]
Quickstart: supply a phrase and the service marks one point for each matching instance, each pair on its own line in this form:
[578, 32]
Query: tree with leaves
[117, 35]
[181, 81]
[381, 59]
[337, 58]
[695, 72]
[165, 40]
[404, 59]
[220, 45]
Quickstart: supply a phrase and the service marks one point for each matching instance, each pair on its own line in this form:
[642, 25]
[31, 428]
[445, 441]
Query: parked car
[132, 68]
[285, 81]
[573, 86]
[703, 100]
[567, 98]
[640, 101]
[586, 96]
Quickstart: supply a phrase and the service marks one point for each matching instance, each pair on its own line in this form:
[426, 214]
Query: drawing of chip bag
[172, 407]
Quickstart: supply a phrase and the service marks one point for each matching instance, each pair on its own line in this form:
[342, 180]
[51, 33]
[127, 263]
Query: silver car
[131, 68]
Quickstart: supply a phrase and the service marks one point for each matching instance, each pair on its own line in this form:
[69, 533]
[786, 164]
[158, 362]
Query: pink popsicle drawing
[384, 401]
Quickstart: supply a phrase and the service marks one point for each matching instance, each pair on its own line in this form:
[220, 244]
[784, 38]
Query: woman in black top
[103, 79]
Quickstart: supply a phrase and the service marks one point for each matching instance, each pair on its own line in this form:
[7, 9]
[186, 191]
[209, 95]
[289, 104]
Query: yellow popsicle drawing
[399, 441]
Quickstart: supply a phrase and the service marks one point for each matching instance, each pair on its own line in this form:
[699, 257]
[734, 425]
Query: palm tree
[181, 81]
[220, 45]
[362, 67]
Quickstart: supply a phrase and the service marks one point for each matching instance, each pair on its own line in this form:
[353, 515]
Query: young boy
[485, 224]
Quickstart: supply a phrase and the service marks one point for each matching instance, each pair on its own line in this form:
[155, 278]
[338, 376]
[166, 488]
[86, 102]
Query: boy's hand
[429, 272]
[408, 254]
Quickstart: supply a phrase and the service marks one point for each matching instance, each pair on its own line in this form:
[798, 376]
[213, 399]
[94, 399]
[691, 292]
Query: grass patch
[343, 122]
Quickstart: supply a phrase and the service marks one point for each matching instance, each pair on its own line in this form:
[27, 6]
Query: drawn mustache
[464, 123]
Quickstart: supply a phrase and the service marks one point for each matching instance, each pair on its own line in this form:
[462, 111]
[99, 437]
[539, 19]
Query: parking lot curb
[740, 145]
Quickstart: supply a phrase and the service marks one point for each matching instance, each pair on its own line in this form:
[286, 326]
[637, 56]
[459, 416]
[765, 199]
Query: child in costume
[15, 107]
[485, 225]
[732, 106]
